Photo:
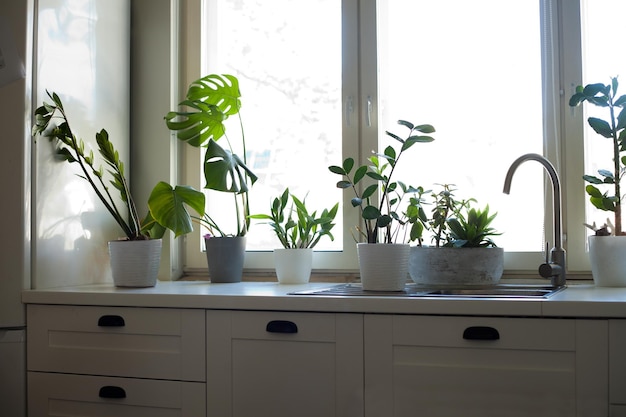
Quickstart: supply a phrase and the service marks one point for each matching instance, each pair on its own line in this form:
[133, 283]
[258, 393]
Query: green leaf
[336, 170]
[225, 171]
[370, 213]
[348, 163]
[601, 127]
[369, 191]
[592, 179]
[344, 184]
[360, 173]
[167, 206]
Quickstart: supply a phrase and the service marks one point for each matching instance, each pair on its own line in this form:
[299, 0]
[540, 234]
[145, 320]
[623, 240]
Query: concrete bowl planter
[456, 266]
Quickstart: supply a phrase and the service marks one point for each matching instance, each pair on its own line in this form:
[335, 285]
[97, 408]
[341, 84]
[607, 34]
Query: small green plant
[453, 222]
[390, 193]
[605, 96]
[303, 231]
[51, 121]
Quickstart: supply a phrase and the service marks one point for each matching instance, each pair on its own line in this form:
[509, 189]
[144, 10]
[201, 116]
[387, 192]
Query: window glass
[602, 59]
[473, 70]
[287, 57]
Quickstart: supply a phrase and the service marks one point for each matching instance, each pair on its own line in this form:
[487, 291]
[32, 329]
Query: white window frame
[562, 53]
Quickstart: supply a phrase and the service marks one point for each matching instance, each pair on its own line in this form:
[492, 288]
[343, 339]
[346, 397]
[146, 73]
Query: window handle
[369, 111]
[349, 111]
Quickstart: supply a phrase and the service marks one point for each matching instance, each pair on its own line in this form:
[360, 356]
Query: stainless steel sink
[531, 291]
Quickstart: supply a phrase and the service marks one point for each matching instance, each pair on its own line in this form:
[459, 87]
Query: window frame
[563, 141]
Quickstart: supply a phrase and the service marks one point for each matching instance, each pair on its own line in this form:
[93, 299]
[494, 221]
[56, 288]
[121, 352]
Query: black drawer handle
[110, 391]
[111, 321]
[281, 326]
[481, 333]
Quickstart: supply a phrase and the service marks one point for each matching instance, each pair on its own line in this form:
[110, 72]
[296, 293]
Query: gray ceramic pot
[225, 257]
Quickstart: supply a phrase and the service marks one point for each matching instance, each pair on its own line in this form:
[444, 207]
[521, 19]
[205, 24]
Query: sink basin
[500, 292]
[411, 290]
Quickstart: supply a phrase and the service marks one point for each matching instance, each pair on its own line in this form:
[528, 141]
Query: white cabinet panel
[284, 364]
[117, 341]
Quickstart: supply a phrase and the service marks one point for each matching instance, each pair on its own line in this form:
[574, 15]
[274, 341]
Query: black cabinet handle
[281, 326]
[110, 391]
[481, 333]
[111, 321]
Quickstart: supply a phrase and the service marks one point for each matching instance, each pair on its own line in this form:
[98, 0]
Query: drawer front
[485, 332]
[81, 395]
[134, 342]
[263, 325]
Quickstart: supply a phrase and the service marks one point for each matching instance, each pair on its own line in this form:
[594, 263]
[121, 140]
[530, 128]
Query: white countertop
[577, 300]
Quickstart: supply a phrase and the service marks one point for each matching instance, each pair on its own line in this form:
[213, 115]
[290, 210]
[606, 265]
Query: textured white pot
[608, 260]
[135, 263]
[456, 266]
[384, 267]
[293, 266]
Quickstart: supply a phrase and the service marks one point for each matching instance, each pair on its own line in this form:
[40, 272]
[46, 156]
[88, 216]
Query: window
[321, 79]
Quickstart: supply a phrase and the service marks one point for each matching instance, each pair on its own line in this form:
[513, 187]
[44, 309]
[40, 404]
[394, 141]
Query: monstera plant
[201, 122]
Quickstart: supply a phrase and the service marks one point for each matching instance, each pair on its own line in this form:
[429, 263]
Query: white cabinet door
[617, 361]
[470, 366]
[283, 364]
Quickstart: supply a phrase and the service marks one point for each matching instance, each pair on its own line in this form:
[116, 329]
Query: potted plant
[607, 247]
[135, 257]
[383, 262]
[298, 236]
[209, 102]
[464, 252]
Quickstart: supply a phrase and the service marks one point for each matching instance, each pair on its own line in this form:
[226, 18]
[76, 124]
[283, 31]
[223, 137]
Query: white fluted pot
[383, 267]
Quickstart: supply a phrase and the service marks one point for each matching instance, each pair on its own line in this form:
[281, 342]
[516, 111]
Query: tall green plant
[51, 121]
[209, 102]
[605, 96]
[380, 173]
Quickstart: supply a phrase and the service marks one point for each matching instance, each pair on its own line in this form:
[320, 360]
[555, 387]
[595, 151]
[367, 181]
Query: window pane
[602, 59]
[473, 70]
[287, 56]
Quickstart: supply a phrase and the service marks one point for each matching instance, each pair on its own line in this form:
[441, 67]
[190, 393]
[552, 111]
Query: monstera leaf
[225, 171]
[167, 206]
[211, 99]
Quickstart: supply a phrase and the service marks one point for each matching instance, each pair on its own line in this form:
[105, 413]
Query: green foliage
[72, 150]
[605, 96]
[378, 185]
[305, 230]
[452, 223]
[209, 102]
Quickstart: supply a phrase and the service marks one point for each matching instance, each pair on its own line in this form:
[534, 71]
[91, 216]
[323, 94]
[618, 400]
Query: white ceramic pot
[608, 260]
[456, 266]
[383, 267]
[293, 266]
[135, 263]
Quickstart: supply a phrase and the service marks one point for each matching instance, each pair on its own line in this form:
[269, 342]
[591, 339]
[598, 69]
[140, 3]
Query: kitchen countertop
[577, 300]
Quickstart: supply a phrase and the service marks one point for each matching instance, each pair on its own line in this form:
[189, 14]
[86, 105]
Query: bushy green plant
[378, 175]
[51, 121]
[452, 223]
[614, 128]
[302, 231]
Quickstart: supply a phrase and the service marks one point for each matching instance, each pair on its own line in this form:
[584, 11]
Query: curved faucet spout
[556, 268]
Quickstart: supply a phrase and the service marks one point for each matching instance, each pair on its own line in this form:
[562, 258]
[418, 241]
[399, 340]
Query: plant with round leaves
[378, 185]
[605, 96]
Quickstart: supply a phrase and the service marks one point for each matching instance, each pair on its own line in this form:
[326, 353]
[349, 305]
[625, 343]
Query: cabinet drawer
[485, 332]
[134, 342]
[81, 395]
[263, 325]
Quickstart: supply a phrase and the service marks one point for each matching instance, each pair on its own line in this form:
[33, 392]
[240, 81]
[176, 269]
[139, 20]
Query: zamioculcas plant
[52, 122]
[605, 96]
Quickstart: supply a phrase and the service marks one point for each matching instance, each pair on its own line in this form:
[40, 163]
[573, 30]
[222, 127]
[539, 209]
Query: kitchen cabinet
[485, 366]
[122, 361]
[617, 367]
[284, 364]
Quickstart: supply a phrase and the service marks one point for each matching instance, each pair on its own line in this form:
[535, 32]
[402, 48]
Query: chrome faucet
[555, 267]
